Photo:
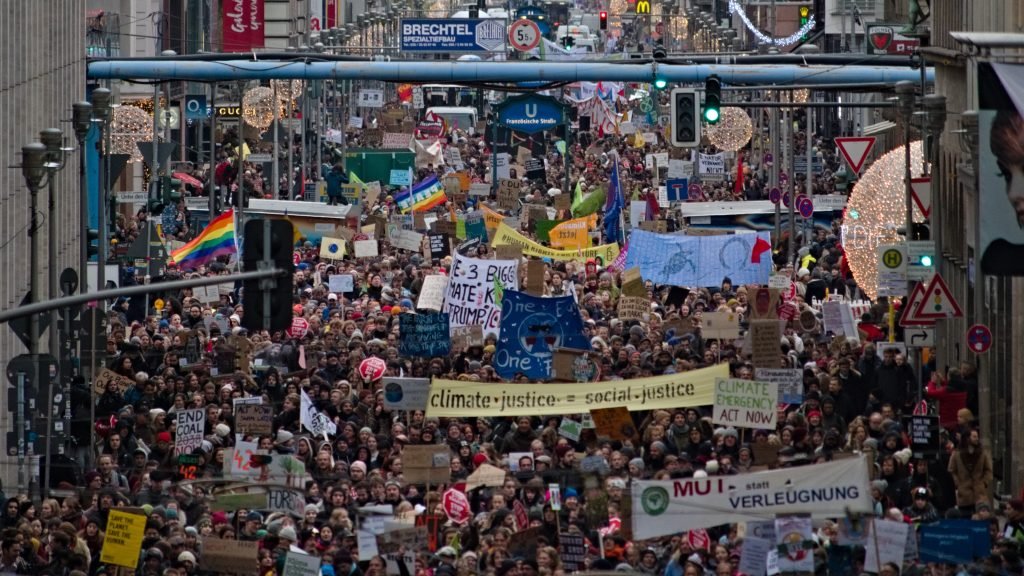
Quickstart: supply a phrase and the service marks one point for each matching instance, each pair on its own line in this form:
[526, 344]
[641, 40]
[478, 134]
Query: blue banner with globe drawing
[531, 329]
[700, 261]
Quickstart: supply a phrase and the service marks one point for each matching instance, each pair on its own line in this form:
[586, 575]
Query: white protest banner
[469, 300]
[745, 403]
[296, 564]
[313, 420]
[286, 500]
[789, 380]
[406, 393]
[754, 557]
[885, 543]
[711, 167]
[665, 507]
[432, 292]
[189, 431]
[503, 165]
[340, 283]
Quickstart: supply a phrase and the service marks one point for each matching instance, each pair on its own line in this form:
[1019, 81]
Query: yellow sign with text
[123, 541]
[492, 219]
[464, 398]
[573, 234]
[505, 235]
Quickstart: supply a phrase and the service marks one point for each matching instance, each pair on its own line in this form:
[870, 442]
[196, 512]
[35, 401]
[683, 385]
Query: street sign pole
[19, 420]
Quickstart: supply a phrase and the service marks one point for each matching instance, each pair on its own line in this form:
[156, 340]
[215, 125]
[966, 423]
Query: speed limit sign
[524, 35]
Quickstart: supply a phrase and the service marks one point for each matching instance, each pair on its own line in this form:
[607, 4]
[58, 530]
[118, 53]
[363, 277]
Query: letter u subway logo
[531, 110]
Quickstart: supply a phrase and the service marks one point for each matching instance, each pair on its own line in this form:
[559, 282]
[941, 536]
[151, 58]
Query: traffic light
[659, 52]
[805, 15]
[712, 99]
[268, 302]
[685, 118]
[568, 41]
[92, 243]
[604, 20]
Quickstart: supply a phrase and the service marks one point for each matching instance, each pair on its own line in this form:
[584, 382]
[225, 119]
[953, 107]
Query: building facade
[42, 72]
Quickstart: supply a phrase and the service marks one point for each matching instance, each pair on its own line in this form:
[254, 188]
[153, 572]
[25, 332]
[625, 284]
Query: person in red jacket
[950, 401]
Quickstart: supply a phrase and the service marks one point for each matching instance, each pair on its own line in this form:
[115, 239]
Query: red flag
[738, 188]
[652, 205]
[760, 247]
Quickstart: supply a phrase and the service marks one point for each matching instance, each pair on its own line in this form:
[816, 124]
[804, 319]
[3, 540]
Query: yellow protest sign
[123, 541]
[573, 234]
[505, 235]
[464, 398]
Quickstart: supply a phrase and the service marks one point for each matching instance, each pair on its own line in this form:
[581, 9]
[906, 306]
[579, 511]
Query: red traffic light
[604, 15]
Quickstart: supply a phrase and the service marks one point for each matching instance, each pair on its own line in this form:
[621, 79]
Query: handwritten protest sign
[190, 429]
[123, 540]
[432, 292]
[469, 299]
[424, 335]
[254, 419]
[745, 403]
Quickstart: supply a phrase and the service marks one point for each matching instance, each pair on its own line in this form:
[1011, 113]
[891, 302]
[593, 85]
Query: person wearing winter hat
[187, 561]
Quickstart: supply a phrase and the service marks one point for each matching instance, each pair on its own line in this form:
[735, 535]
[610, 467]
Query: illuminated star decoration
[876, 209]
[735, 8]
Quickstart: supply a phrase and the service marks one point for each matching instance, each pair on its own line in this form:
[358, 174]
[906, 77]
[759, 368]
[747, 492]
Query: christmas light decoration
[737, 9]
[258, 107]
[876, 210]
[732, 131]
[286, 89]
[129, 125]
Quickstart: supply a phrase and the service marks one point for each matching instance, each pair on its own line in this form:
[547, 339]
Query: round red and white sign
[299, 327]
[524, 35]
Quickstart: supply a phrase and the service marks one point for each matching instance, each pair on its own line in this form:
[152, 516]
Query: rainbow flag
[426, 194]
[217, 239]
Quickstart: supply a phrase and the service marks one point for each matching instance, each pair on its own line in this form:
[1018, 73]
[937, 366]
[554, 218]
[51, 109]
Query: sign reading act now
[745, 403]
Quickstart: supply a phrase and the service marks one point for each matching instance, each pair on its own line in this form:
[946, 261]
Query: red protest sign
[372, 369]
[456, 506]
[299, 327]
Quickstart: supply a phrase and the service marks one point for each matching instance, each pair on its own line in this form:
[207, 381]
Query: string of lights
[258, 107]
[737, 9]
[129, 124]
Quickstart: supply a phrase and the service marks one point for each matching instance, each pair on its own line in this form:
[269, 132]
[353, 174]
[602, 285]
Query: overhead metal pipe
[455, 72]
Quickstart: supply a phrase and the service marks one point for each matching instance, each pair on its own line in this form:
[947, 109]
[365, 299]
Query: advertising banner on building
[243, 25]
[665, 507]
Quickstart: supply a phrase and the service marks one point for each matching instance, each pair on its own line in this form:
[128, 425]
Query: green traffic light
[926, 260]
[660, 83]
[711, 115]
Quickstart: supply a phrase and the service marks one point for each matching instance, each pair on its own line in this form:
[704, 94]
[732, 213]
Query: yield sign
[916, 299]
[921, 191]
[938, 302]
[855, 149]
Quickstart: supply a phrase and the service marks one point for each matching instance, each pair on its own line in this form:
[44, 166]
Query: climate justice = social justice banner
[465, 398]
[469, 300]
[664, 507]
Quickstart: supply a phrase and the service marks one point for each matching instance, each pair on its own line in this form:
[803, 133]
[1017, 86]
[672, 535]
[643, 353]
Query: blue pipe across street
[455, 72]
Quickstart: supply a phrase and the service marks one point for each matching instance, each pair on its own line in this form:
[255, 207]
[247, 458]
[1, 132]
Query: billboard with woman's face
[1001, 170]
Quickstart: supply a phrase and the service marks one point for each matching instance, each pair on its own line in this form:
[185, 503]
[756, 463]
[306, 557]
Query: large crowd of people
[194, 353]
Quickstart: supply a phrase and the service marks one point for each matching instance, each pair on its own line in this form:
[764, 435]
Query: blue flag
[531, 329]
[613, 207]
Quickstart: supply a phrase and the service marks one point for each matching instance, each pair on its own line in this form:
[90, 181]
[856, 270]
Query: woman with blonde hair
[548, 560]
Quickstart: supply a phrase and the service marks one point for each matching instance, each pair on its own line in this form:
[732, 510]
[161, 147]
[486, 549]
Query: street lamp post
[53, 139]
[81, 117]
[33, 169]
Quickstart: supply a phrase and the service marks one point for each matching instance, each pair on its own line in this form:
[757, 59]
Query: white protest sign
[469, 299]
[406, 393]
[366, 248]
[712, 167]
[503, 165]
[339, 283]
[754, 557]
[794, 540]
[406, 240]
[189, 431]
[789, 380]
[745, 403]
[296, 564]
[432, 292]
[891, 539]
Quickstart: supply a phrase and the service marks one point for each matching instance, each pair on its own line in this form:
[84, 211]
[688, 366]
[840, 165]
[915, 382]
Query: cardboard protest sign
[535, 277]
[231, 556]
[426, 464]
[257, 419]
[424, 335]
[765, 337]
[105, 377]
[508, 194]
[614, 423]
[634, 308]
[465, 336]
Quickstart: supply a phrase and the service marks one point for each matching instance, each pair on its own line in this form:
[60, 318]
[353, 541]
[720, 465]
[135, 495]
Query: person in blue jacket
[336, 178]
